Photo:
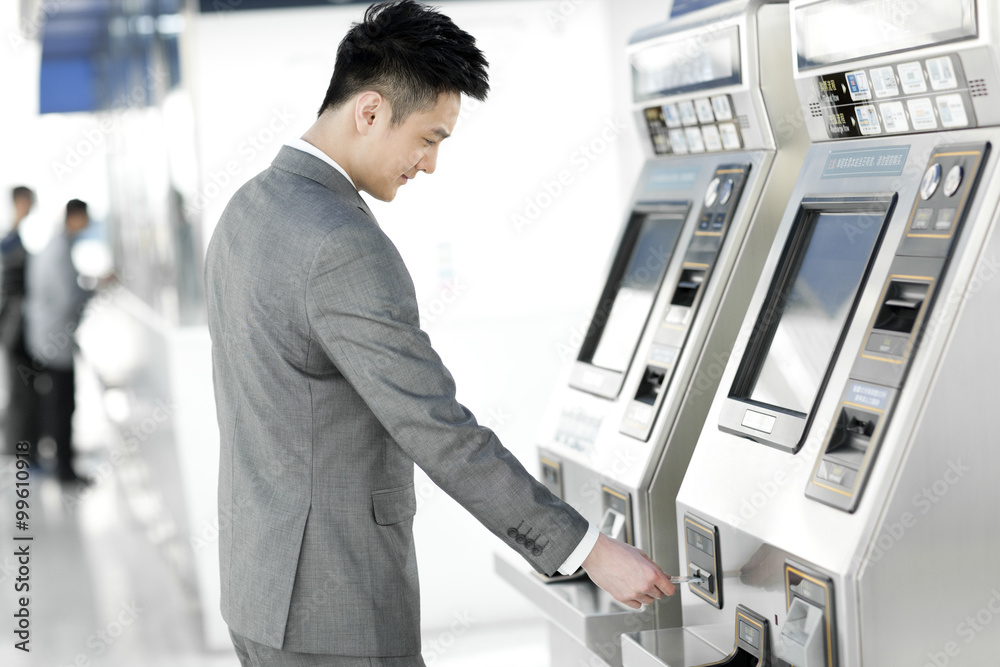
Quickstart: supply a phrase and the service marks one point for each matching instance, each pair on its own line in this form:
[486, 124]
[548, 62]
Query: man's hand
[626, 573]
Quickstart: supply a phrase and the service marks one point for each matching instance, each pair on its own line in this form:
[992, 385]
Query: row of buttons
[700, 111]
[920, 112]
[525, 541]
[883, 81]
[711, 138]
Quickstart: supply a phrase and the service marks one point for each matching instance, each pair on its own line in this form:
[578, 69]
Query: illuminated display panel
[703, 60]
[626, 312]
[834, 31]
[803, 325]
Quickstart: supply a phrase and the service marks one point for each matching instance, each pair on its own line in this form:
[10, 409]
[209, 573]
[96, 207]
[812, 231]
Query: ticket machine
[714, 101]
[847, 467]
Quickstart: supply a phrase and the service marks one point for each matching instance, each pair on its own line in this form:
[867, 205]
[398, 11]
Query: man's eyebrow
[441, 132]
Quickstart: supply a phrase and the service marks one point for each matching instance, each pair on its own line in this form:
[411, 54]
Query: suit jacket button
[528, 544]
[512, 533]
[520, 539]
[537, 551]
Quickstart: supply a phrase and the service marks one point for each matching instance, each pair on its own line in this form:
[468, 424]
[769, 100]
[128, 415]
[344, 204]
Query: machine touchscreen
[813, 307]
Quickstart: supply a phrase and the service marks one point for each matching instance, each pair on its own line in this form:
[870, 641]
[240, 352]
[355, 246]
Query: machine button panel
[896, 99]
[703, 558]
[693, 126]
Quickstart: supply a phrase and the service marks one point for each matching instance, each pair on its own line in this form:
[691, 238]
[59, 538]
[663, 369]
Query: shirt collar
[306, 147]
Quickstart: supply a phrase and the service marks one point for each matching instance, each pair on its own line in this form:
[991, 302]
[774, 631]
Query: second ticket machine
[842, 498]
[714, 99]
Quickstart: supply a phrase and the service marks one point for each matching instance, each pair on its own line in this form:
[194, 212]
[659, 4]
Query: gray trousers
[252, 654]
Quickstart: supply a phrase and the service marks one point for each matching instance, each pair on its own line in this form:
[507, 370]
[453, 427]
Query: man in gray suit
[328, 391]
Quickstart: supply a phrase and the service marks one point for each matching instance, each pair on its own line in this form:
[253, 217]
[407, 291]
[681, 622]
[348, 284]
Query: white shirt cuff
[583, 549]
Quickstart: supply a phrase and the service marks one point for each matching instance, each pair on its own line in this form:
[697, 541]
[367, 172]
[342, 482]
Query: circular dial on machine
[932, 179]
[712, 194]
[726, 191]
[954, 180]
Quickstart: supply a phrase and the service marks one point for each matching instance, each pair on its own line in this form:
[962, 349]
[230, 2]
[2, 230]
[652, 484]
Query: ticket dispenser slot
[753, 641]
[703, 557]
[616, 518]
[808, 636]
[552, 476]
[651, 384]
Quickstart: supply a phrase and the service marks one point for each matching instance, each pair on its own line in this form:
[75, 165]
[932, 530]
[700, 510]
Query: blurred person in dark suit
[21, 424]
[54, 304]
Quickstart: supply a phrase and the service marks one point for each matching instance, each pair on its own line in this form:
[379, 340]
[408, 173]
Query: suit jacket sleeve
[363, 314]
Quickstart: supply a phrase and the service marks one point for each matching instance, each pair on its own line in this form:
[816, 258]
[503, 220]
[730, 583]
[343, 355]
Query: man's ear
[370, 108]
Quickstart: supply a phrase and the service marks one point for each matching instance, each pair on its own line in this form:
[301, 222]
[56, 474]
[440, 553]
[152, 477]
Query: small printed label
[723, 110]
[671, 115]
[942, 73]
[922, 114]
[688, 114]
[857, 83]
[868, 119]
[730, 136]
[894, 117]
[679, 141]
[713, 141]
[868, 395]
[883, 81]
[911, 75]
[671, 178]
[888, 161]
[696, 142]
[951, 108]
[703, 108]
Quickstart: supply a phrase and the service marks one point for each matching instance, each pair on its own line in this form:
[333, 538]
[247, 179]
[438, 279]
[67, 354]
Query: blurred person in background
[328, 391]
[54, 304]
[21, 422]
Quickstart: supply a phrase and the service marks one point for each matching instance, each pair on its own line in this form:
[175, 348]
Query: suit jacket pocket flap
[394, 505]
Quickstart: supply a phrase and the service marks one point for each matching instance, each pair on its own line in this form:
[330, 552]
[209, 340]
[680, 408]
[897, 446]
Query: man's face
[394, 154]
[22, 206]
[76, 223]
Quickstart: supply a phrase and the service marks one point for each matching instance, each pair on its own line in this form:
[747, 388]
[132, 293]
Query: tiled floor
[111, 585]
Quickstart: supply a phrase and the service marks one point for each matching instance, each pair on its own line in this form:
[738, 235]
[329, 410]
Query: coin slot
[901, 307]
[651, 385]
[687, 287]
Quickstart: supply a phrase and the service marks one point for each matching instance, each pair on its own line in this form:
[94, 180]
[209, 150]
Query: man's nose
[428, 163]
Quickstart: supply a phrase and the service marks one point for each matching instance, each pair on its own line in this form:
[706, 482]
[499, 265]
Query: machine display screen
[833, 31]
[812, 305]
[627, 310]
[705, 60]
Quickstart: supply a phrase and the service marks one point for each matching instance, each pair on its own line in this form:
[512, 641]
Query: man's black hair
[410, 53]
[22, 191]
[75, 206]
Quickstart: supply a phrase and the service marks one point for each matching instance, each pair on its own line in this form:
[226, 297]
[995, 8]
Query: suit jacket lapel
[309, 166]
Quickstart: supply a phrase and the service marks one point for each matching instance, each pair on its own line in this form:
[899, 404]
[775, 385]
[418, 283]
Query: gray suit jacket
[327, 393]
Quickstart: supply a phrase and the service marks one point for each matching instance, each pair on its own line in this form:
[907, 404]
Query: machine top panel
[836, 31]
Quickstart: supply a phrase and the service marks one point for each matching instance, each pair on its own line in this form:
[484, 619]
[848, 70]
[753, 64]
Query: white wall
[498, 294]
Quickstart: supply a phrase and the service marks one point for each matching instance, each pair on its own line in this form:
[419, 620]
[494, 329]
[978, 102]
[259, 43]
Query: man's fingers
[667, 588]
[632, 603]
